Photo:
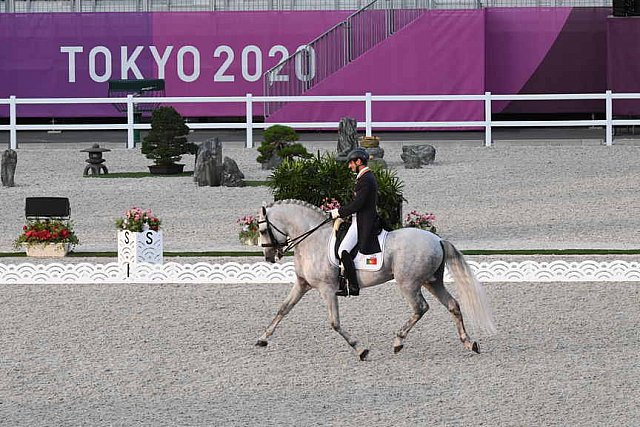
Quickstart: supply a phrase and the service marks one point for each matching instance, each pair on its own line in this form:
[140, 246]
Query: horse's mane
[298, 203]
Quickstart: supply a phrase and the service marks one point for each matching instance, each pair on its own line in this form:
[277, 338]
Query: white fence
[368, 99]
[262, 272]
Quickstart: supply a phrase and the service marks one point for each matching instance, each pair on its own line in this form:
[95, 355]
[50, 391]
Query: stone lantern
[95, 160]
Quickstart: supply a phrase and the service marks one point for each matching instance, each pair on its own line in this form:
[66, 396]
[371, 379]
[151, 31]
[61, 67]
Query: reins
[289, 243]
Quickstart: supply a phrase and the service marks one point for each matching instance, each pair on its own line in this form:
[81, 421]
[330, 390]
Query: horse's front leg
[329, 295]
[300, 287]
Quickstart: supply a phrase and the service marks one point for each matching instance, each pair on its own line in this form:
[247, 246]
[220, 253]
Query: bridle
[289, 243]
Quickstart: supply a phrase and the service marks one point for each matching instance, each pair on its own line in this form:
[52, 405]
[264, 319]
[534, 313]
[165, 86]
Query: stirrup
[342, 287]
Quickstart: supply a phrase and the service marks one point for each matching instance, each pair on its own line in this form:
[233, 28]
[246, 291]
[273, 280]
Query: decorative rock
[272, 163]
[347, 137]
[414, 156]
[211, 171]
[231, 174]
[381, 162]
[208, 168]
[8, 167]
[375, 152]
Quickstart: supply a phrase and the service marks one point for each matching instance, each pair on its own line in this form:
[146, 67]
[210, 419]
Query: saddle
[371, 262]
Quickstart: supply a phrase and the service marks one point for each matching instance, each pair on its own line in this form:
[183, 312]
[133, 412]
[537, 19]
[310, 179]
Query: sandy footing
[184, 355]
[510, 196]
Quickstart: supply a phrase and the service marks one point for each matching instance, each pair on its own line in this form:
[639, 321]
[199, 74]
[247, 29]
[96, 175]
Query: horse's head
[272, 239]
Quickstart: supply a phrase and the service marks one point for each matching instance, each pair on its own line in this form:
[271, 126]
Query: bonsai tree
[167, 141]
[279, 143]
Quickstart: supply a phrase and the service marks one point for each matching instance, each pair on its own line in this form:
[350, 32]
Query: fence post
[608, 137]
[131, 143]
[13, 135]
[249, 113]
[367, 113]
[488, 141]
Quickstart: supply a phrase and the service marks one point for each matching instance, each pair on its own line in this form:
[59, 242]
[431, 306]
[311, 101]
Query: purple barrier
[547, 50]
[440, 53]
[47, 55]
[623, 71]
[514, 50]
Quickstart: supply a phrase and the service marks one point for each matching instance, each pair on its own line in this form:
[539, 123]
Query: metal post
[130, 123]
[13, 135]
[249, 114]
[609, 117]
[487, 120]
[348, 41]
[389, 12]
[367, 113]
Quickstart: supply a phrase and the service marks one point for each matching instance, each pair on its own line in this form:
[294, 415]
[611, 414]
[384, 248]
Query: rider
[362, 234]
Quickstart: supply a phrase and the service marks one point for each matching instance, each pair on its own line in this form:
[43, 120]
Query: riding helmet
[358, 153]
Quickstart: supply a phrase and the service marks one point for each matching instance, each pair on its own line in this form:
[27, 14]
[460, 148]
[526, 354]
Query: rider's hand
[334, 213]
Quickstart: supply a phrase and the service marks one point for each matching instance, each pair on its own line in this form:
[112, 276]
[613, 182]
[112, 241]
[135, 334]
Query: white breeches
[351, 238]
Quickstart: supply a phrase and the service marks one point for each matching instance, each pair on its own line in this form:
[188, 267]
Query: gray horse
[414, 258]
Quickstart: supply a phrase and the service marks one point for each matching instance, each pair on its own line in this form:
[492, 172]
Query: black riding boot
[353, 288]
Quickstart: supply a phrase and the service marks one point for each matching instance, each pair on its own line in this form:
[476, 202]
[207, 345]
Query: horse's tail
[471, 293]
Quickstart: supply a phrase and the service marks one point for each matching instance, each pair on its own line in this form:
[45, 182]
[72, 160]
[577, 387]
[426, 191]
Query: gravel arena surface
[565, 354]
[510, 196]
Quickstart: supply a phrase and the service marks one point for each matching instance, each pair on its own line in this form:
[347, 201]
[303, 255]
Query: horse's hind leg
[297, 292]
[413, 295]
[442, 294]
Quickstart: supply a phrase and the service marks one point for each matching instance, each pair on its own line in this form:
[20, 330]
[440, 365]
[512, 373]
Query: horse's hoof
[261, 343]
[397, 348]
[363, 354]
[475, 347]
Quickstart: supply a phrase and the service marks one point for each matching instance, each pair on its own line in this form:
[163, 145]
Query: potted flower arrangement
[423, 221]
[138, 220]
[47, 238]
[139, 237]
[249, 233]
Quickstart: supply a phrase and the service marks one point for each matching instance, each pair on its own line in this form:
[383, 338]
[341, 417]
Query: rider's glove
[334, 213]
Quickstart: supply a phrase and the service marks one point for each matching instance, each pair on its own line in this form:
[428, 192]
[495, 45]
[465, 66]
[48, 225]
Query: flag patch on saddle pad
[371, 260]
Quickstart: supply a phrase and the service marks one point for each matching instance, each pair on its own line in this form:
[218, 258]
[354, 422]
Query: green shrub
[167, 141]
[323, 177]
[389, 196]
[280, 140]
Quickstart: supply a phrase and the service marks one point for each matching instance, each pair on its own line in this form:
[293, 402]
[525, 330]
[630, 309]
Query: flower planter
[250, 241]
[47, 250]
[139, 247]
[172, 169]
[370, 142]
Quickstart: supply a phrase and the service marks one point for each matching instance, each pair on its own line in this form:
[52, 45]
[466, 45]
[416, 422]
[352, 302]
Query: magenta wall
[440, 53]
[199, 54]
[515, 50]
[623, 72]
[546, 50]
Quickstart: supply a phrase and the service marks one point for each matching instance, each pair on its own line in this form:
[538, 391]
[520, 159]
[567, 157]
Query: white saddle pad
[372, 262]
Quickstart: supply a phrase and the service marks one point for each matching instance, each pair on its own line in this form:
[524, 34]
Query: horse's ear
[264, 210]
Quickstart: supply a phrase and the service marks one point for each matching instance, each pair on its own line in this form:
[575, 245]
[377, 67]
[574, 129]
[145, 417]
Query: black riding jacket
[365, 200]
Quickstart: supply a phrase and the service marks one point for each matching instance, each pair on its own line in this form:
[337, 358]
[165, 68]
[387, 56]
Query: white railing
[202, 273]
[488, 124]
